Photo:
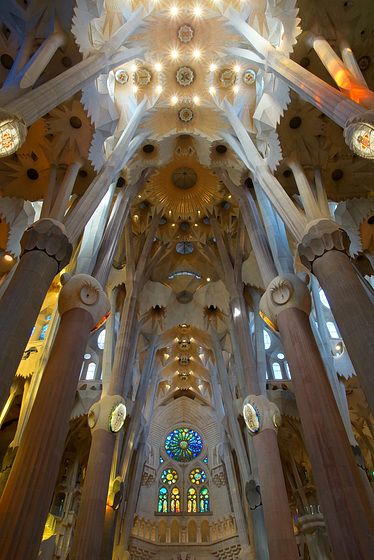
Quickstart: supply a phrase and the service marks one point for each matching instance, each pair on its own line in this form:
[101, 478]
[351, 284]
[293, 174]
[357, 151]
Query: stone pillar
[324, 251]
[345, 505]
[90, 523]
[27, 495]
[262, 418]
[46, 250]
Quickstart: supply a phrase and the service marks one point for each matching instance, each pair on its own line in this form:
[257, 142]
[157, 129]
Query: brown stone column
[263, 427]
[26, 498]
[344, 500]
[46, 250]
[89, 530]
[324, 251]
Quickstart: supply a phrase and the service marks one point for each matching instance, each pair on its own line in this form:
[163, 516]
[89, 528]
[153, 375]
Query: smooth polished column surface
[46, 251]
[281, 543]
[324, 251]
[344, 501]
[27, 495]
[90, 523]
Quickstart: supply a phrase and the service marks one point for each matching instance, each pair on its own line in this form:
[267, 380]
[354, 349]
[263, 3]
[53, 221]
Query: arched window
[267, 340]
[175, 500]
[169, 476]
[332, 330]
[162, 501]
[197, 476]
[277, 371]
[204, 500]
[91, 371]
[101, 339]
[191, 501]
[323, 298]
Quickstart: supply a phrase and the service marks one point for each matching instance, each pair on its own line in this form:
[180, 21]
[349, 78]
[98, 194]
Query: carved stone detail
[84, 292]
[323, 235]
[283, 292]
[100, 412]
[268, 415]
[49, 236]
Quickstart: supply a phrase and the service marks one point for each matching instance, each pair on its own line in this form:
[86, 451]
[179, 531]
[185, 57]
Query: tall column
[281, 540]
[46, 250]
[344, 500]
[238, 509]
[28, 492]
[323, 250]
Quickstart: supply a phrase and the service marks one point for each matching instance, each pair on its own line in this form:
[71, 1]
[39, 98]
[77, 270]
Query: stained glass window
[161, 460]
[44, 331]
[191, 501]
[175, 501]
[183, 444]
[206, 460]
[101, 339]
[162, 500]
[169, 476]
[204, 500]
[197, 476]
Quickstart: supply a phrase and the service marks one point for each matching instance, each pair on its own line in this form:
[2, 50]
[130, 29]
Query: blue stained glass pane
[161, 460]
[206, 460]
[204, 501]
[162, 501]
[183, 445]
[42, 334]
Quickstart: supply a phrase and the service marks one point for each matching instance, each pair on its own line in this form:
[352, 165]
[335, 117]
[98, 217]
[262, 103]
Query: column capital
[108, 414]
[260, 414]
[322, 236]
[284, 291]
[49, 236]
[83, 292]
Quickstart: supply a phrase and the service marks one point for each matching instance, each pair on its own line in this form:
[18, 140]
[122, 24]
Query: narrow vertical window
[204, 500]
[191, 501]
[175, 501]
[90, 375]
[162, 501]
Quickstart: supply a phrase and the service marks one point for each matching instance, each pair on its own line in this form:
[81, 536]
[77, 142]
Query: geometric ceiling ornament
[185, 34]
[142, 77]
[227, 78]
[249, 77]
[185, 76]
[121, 76]
[186, 114]
[184, 178]
[184, 194]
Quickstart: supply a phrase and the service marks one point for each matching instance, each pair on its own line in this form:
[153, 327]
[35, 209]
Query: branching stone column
[28, 492]
[46, 250]
[90, 523]
[345, 505]
[323, 250]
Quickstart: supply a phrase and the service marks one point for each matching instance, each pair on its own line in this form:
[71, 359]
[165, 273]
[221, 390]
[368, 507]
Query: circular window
[183, 445]
[197, 476]
[169, 476]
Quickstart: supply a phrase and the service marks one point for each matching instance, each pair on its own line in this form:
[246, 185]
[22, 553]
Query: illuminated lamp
[13, 132]
[359, 135]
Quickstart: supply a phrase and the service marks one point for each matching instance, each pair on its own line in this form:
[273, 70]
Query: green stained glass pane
[183, 444]
[197, 476]
[162, 500]
[204, 500]
[169, 476]
[191, 500]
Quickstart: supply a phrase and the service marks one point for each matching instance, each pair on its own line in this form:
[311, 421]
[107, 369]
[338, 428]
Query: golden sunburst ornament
[184, 186]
